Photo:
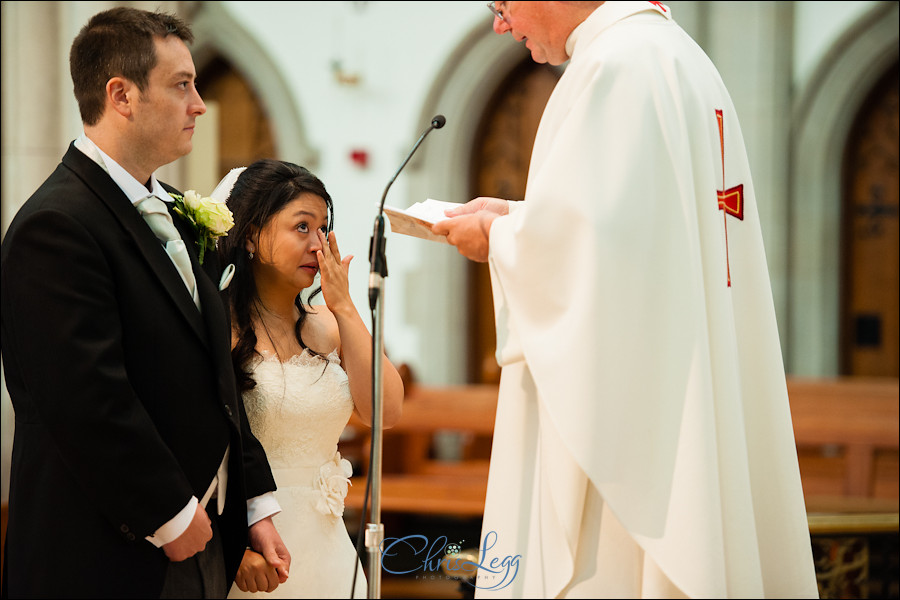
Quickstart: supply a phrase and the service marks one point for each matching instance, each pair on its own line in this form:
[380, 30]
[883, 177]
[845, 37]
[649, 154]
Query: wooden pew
[847, 446]
[414, 480]
[846, 431]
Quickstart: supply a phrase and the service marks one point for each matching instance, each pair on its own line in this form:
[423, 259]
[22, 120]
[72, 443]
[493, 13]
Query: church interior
[820, 106]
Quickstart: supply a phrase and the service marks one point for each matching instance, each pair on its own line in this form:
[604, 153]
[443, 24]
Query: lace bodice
[299, 408]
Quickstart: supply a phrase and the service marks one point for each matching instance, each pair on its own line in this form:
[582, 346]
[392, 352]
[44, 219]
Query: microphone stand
[375, 528]
[378, 261]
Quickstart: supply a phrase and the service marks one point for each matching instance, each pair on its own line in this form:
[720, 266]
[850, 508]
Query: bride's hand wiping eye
[334, 274]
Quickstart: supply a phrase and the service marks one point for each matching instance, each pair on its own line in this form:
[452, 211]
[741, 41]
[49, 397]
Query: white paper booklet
[418, 218]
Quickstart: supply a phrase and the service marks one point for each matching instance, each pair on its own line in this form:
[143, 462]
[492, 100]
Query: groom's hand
[193, 540]
[264, 538]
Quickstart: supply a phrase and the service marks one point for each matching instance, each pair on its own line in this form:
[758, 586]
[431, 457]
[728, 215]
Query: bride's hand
[255, 574]
[334, 274]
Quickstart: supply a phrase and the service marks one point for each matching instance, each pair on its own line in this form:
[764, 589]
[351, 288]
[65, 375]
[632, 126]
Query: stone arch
[217, 33]
[823, 115]
[460, 92]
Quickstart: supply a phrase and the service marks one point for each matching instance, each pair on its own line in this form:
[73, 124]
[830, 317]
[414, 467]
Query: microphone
[377, 242]
[436, 123]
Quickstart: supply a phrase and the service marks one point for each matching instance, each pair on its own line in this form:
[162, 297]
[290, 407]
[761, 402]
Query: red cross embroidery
[659, 5]
[731, 200]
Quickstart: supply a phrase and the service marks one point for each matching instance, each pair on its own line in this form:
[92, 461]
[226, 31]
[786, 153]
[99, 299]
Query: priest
[643, 445]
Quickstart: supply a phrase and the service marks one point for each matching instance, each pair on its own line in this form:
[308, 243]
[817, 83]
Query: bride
[302, 371]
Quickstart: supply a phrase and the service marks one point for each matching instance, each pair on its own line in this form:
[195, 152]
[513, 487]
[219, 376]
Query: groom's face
[169, 106]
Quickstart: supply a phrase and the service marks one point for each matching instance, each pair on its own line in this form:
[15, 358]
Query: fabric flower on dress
[209, 218]
[333, 484]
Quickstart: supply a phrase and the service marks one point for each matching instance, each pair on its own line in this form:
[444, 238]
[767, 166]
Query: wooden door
[500, 168]
[870, 282]
[245, 134]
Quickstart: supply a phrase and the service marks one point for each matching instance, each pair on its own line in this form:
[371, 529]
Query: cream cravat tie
[157, 216]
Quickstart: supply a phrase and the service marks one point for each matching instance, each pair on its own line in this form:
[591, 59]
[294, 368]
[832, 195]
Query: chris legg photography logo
[418, 554]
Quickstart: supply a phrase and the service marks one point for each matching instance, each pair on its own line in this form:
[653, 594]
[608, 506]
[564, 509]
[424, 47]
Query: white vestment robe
[643, 445]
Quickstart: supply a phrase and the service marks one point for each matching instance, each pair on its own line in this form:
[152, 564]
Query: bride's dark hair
[260, 192]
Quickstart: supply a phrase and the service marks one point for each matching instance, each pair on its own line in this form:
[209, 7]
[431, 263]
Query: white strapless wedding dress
[298, 410]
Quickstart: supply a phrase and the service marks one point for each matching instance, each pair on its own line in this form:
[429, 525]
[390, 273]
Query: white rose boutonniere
[209, 218]
[333, 483]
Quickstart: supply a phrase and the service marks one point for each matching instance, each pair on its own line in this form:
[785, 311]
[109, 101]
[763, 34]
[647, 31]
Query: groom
[134, 473]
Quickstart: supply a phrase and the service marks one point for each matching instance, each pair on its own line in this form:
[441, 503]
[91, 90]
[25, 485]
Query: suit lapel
[219, 338]
[148, 244]
[214, 311]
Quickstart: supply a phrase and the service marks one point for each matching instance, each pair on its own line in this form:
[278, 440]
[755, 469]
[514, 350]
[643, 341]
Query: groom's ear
[120, 95]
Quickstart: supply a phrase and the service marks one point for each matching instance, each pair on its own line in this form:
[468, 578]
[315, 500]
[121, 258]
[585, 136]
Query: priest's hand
[264, 538]
[494, 205]
[470, 233]
[255, 574]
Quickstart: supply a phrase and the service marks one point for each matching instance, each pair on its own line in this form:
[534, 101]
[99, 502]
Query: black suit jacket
[124, 393]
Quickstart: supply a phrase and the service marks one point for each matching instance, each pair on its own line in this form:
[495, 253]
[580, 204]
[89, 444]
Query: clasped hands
[469, 226]
[260, 571]
[265, 569]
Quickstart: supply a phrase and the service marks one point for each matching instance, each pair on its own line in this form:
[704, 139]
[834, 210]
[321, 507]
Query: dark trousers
[200, 576]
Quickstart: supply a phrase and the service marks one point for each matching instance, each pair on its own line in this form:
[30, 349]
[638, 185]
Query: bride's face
[288, 244]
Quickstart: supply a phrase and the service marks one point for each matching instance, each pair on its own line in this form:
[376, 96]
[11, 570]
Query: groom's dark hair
[117, 43]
